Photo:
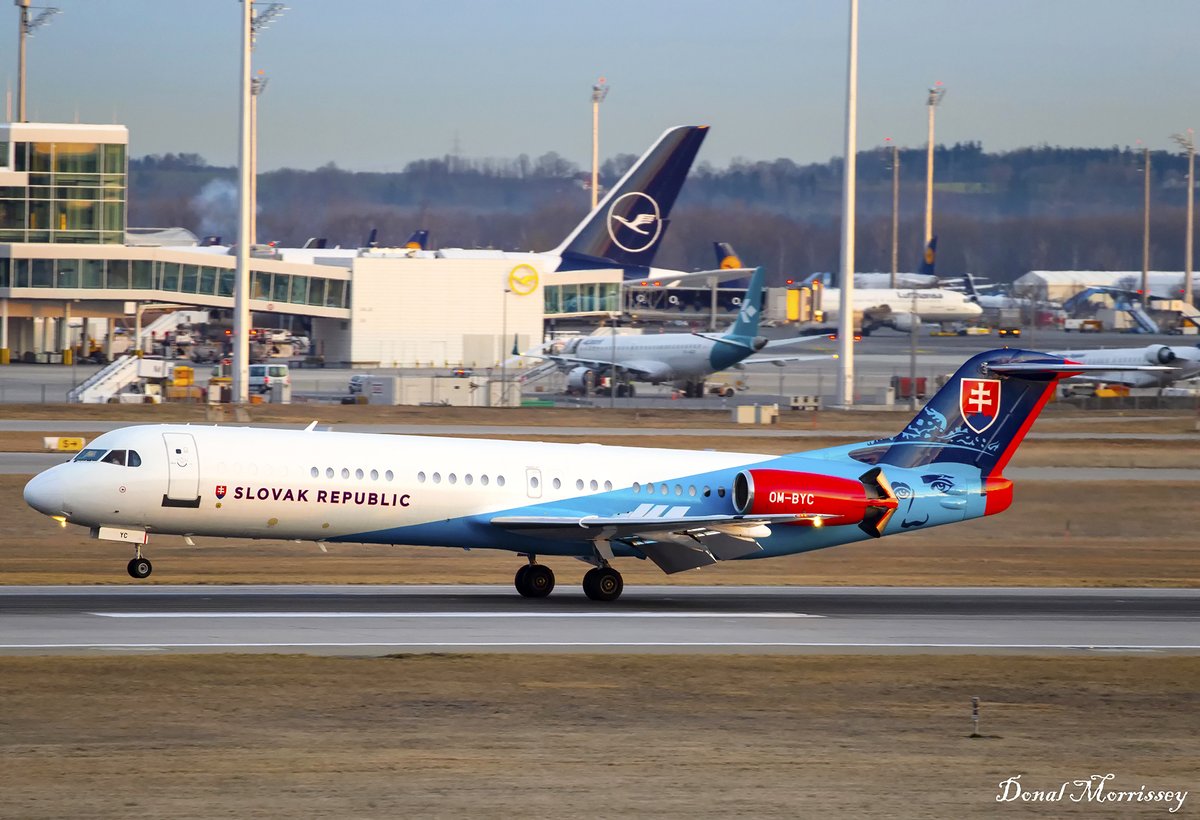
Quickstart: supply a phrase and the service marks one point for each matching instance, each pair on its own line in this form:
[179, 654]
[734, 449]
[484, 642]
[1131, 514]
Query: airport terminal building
[66, 253]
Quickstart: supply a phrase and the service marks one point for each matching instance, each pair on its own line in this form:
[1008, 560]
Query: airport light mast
[1146, 227]
[1187, 141]
[932, 101]
[252, 24]
[258, 85]
[845, 392]
[599, 92]
[26, 27]
[895, 211]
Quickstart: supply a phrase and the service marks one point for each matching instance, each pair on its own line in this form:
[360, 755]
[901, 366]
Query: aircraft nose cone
[44, 493]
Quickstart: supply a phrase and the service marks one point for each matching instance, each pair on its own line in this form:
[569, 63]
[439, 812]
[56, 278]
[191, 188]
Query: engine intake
[1160, 354]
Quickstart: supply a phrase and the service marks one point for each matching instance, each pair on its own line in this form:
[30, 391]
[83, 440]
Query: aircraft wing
[797, 340]
[780, 361]
[696, 279]
[674, 542]
[644, 370]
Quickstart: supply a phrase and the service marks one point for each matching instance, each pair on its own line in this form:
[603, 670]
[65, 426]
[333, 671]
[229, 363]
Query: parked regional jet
[680, 509]
[684, 359]
[1174, 363]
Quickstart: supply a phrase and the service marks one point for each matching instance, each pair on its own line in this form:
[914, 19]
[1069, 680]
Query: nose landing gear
[138, 566]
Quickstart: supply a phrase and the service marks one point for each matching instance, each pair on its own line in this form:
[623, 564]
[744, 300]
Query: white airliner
[684, 359]
[1171, 363]
[679, 509]
[896, 308]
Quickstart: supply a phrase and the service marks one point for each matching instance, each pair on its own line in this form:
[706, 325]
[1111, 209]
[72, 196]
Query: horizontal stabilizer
[1062, 368]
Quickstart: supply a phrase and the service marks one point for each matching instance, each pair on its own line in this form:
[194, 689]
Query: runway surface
[373, 620]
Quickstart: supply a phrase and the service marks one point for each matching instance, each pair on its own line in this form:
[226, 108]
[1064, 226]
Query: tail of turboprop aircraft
[930, 257]
[746, 324]
[726, 258]
[628, 225]
[978, 418]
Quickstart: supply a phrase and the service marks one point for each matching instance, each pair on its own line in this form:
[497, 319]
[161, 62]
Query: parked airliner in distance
[1175, 363]
[680, 509]
[683, 359]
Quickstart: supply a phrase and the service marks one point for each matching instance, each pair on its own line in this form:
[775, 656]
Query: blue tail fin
[979, 417]
[418, 240]
[748, 316]
[726, 258]
[927, 262]
[628, 225]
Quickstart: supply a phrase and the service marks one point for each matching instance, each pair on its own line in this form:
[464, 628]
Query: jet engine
[581, 381]
[1160, 354]
[905, 322]
[817, 499]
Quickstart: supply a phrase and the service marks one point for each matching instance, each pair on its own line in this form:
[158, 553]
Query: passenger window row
[453, 478]
[666, 489]
[360, 474]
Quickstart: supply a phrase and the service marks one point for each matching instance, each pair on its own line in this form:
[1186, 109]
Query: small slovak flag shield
[221, 490]
[979, 403]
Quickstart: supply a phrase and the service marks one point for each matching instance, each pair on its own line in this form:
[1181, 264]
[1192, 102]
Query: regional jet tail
[680, 509]
[681, 359]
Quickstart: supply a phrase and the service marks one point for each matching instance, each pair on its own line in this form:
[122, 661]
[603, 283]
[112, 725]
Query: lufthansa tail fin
[930, 257]
[418, 240]
[627, 227]
[746, 324]
[726, 258]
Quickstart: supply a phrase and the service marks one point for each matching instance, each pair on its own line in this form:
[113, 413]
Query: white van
[262, 376]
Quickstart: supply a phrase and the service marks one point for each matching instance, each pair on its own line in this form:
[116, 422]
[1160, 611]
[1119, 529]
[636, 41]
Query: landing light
[818, 522]
[62, 521]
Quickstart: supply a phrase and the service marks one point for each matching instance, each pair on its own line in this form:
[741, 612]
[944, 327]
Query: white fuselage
[930, 305]
[315, 485]
[662, 357]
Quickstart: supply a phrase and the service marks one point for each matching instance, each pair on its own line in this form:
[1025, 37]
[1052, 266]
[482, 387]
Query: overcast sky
[373, 84]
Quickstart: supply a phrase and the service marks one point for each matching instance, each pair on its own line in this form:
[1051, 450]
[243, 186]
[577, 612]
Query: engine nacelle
[1160, 354]
[817, 499]
[905, 322]
[581, 381]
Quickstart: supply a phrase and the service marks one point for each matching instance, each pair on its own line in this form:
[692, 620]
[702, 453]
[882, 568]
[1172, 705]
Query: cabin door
[183, 471]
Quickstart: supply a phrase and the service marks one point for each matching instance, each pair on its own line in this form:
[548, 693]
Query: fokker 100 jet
[680, 509]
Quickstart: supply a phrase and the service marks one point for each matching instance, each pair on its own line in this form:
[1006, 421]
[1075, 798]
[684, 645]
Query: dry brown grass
[585, 735]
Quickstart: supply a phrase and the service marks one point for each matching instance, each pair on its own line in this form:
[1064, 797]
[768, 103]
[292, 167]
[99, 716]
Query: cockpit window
[134, 459]
[90, 454]
[115, 457]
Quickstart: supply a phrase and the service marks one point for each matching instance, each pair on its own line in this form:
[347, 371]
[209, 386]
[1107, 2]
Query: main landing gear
[533, 580]
[603, 584]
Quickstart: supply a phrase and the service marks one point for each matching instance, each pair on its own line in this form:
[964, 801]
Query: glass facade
[170, 277]
[590, 297]
[76, 194]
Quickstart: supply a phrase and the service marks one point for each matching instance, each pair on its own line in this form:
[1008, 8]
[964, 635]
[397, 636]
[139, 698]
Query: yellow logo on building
[523, 280]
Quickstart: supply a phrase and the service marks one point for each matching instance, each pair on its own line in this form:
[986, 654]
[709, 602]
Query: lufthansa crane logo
[523, 280]
[634, 222]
